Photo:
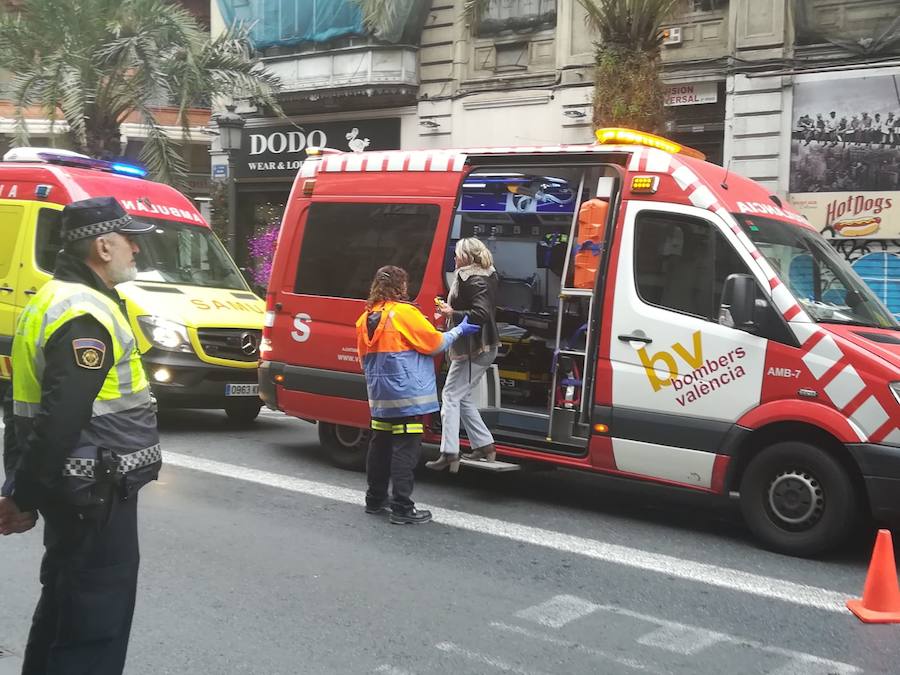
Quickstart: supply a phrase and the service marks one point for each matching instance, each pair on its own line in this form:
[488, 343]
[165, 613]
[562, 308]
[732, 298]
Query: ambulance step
[576, 293]
[495, 466]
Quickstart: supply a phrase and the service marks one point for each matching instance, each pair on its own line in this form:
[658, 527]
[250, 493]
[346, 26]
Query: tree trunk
[628, 91]
[103, 141]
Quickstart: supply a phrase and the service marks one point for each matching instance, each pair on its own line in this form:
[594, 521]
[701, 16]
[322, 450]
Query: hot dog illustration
[858, 227]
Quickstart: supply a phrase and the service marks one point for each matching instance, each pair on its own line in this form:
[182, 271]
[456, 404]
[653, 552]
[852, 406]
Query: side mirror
[738, 305]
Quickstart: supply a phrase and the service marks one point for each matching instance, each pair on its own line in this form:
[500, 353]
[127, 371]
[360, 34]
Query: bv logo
[664, 361]
[301, 330]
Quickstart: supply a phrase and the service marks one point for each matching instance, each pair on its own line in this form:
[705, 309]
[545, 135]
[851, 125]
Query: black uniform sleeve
[11, 450]
[70, 384]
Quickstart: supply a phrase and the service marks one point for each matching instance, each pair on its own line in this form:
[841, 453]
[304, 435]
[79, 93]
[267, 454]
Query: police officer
[84, 441]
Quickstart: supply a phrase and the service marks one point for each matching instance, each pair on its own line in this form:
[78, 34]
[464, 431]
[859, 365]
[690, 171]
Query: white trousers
[457, 404]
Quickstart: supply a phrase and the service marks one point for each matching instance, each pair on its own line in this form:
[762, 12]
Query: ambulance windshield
[178, 253]
[823, 283]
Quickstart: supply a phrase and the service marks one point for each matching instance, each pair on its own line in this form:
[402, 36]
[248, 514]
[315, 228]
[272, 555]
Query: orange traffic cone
[881, 596]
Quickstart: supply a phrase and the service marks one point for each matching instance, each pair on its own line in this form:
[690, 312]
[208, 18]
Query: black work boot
[410, 517]
[378, 509]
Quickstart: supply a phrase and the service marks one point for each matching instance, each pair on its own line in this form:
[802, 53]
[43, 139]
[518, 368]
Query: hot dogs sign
[852, 215]
[845, 154]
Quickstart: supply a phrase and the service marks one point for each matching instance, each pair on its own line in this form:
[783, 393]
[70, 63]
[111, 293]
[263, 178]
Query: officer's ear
[102, 249]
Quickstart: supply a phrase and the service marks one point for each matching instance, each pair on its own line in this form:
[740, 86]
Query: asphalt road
[257, 558]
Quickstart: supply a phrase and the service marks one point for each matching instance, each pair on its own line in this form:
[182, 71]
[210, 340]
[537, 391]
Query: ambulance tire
[242, 412]
[798, 499]
[347, 446]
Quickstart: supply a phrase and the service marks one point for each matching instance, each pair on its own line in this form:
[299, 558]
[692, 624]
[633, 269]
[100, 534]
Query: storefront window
[258, 221]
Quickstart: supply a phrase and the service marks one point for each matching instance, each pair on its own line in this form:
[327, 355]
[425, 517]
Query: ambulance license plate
[242, 390]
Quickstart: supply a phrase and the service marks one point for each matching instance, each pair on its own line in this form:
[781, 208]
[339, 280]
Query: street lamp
[231, 127]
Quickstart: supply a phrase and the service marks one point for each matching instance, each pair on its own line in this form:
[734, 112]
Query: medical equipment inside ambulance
[525, 218]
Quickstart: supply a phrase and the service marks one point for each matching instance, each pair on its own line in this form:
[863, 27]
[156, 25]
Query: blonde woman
[473, 294]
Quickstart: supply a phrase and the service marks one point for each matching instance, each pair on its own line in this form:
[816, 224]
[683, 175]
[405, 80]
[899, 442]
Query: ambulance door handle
[634, 337]
[31, 291]
[8, 289]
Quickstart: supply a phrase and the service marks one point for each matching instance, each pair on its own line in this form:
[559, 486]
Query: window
[177, 253]
[47, 242]
[10, 223]
[345, 244]
[518, 16]
[681, 263]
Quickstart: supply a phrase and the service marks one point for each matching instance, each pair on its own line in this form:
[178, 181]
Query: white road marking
[689, 570]
[801, 662]
[391, 670]
[450, 648]
[684, 640]
[558, 611]
[634, 664]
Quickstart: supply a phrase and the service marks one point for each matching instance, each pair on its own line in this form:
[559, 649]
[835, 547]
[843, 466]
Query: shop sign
[851, 215]
[694, 93]
[272, 152]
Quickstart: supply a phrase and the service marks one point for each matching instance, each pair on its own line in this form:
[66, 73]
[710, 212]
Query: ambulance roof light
[70, 158]
[621, 136]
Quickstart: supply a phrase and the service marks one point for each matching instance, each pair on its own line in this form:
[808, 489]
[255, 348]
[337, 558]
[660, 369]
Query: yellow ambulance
[196, 320]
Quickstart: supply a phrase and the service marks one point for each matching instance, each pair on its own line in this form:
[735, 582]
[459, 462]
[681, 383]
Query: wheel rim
[796, 499]
[349, 437]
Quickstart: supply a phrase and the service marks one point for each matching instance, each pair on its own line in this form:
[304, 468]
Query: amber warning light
[645, 185]
[619, 136]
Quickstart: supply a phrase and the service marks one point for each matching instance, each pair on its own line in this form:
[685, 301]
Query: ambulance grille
[234, 344]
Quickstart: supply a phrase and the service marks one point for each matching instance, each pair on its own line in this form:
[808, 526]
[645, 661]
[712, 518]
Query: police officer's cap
[96, 216]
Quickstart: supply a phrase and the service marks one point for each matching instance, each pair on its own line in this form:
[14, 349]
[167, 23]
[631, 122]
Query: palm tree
[95, 63]
[628, 91]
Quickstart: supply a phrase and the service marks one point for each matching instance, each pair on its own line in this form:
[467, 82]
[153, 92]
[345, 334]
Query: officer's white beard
[127, 272]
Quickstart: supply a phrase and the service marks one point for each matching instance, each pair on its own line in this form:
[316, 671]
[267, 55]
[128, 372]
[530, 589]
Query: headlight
[165, 334]
[895, 387]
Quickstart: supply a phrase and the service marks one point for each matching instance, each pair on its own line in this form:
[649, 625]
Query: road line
[689, 570]
[450, 648]
[634, 664]
[684, 640]
[558, 611]
[391, 670]
[800, 662]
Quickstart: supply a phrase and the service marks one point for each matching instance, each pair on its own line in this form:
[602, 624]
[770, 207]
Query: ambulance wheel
[347, 446]
[243, 412]
[798, 500]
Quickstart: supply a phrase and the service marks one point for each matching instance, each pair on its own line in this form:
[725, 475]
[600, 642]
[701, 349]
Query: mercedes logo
[249, 343]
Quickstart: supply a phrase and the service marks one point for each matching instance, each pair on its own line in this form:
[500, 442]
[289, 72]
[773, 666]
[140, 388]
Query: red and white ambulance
[661, 319]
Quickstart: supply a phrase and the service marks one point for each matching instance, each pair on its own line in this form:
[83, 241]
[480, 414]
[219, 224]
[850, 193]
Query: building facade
[740, 74]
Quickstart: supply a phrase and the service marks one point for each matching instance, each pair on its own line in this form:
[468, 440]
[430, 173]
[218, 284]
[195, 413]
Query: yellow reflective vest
[122, 432]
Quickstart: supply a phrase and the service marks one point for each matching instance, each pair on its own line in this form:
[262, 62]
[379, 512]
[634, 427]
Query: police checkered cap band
[96, 229]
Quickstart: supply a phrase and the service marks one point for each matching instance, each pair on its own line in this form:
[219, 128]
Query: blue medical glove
[466, 328]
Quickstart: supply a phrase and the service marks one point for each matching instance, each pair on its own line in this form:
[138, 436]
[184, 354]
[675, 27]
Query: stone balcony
[370, 70]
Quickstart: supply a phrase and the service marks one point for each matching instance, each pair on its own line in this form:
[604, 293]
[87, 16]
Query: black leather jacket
[476, 298]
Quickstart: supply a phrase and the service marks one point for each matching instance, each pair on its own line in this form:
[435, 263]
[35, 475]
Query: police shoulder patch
[89, 353]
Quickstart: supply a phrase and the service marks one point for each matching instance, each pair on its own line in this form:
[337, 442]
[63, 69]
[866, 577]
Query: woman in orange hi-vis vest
[396, 344]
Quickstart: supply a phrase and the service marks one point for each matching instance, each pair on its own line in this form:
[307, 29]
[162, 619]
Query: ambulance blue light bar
[129, 169]
[69, 158]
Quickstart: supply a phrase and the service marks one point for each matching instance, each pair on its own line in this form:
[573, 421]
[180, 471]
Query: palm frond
[96, 62]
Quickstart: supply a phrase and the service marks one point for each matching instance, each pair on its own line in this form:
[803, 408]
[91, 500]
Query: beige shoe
[486, 453]
[443, 462]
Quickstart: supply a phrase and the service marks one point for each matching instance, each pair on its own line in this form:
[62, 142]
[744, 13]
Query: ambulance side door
[12, 217]
[40, 246]
[680, 379]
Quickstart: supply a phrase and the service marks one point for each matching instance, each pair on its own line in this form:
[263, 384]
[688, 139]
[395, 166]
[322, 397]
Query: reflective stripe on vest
[407, 428]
